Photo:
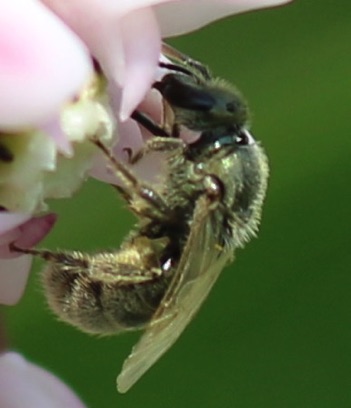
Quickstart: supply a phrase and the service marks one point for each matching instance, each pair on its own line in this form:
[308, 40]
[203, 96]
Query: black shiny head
[203, 104]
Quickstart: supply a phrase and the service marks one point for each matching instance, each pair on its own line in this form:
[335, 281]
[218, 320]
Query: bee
[189, 225]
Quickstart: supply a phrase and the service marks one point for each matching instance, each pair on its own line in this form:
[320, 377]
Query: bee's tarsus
[97, 142]
[129, 152]
[121, 170]
[42, 253]
[14, 248]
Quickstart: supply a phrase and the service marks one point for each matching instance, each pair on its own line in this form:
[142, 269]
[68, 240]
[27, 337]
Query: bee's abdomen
[102, 294]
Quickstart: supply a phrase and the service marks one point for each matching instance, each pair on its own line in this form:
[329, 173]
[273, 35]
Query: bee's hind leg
[68, 258]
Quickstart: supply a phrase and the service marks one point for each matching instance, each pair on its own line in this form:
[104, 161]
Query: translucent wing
[174, 54]
[199, 267]
[182, 60]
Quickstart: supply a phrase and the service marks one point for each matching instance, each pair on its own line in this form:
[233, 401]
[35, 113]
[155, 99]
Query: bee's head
[204, 105]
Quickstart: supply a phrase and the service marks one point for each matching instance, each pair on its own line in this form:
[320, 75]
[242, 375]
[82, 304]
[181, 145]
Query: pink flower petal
[123, 36]
[13, 279]
[23, 384]
[97, 23]
[35, 229]
[14, 272]
[25, 235]
[42, 64]
[142, 47]
[9, 221]
[179, 17]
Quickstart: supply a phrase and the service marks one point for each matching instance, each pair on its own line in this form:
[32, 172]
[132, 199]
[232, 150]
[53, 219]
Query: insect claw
[129, 153]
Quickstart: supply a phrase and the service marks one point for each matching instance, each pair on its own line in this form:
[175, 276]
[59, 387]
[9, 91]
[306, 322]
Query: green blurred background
[276, 329]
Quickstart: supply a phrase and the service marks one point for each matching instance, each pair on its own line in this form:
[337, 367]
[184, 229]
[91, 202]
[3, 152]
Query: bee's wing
[173, 53]
[199, 267]
[183, 60]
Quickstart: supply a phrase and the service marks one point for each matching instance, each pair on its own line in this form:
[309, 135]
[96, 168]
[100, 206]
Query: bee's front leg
[141, 197]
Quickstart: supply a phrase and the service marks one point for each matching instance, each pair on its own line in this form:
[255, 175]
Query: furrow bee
[188, 227]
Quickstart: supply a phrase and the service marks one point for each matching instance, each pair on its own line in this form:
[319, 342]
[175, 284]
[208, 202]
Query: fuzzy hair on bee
[188, 226]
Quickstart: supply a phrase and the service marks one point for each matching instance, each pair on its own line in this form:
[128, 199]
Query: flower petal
[142, 47]
[13, 278]
[9, 221]
[25, 235]
[33, 44]
[97, 23]
[23, 384]
[123, 36]
[14, 272]
[35, 229]
[179, 17]
[130, 139]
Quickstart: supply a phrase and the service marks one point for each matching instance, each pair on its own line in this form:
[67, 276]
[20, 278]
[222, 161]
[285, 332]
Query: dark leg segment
[148, 124]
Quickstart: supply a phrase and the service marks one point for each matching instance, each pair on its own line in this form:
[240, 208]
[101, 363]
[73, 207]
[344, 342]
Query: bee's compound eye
[244, 138]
